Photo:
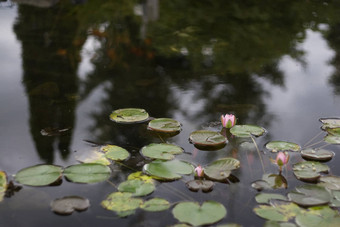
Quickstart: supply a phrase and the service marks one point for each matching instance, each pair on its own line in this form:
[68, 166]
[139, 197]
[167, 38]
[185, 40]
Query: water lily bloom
[228, 120]
[199, 171]
[282, 159]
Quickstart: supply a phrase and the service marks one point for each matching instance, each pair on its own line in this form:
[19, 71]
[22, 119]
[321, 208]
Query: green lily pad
[122, 203]
[155, 204]
[334, 131]
[330, 182]
[129, 115]
[67, 205]
[164, 125]
[204, 185]
[163, 151]
[140, 176]
[332, 139]
[94, 157]
[115, 153]
[310, 195]
[207, 138]
[220, 169]
[317, 155]
[276, 146]
[3, 184]
[330, 122]
[318, 216]
[247, 130]
[87, 173]
[136, 187]
[270, 181]
[39, 175]
[309, 170]
[279, 211]
[266, 197]
[192, 213]
[278, 224]
[168, 170]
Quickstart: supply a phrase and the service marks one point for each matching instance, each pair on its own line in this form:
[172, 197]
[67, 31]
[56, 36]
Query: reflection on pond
[190, 61]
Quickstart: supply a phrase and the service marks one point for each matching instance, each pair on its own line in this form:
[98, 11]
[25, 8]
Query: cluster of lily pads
[320, 193]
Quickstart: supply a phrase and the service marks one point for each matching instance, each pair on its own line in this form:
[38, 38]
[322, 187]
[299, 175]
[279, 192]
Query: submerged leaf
[192, 213]
[129, 115]
[87, 173]
[67, 205]
[39, 175]
[163, 151]
[164, 125]
[122, 203]
[276, 146]
[247, 130]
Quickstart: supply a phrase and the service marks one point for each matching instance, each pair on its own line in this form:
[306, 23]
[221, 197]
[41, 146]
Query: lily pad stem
[311, 145]
[311, 140]
[258, 151]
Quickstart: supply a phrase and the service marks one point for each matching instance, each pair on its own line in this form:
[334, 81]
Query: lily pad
[3, 184]
[140, 176]
[129, 115]
[330, 182]
[276, 146]
[39, 175]
[318, 216]
[270, 181]
[67, 205]
[207, 138]
[168, 170]
[278, 224]
[247, 130]
[220, 169]
[94, 157]
[330, 122]
[334, 131]
[122, 203]
[87, 173]
[279, 211]
[309, 170]
[317, 155]
[192, 213]
[115, 153]
[163, 151]
[204, 185]
[266, 197]
[136, 187]
[310, 195]
[155, 204]
[332, 139]
[164, 125]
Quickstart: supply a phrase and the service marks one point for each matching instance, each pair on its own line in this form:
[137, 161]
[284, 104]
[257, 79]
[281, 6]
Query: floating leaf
[115, 153]
[318, 216]
[207, 138]
[310, 195]
[270, 181]
[164, 125]
[204, 185]
[163, 151]
[87, 173]
[332, 139]
[247, 130]
[140, 176]
[67, 205]
[122, 203]
[330, 122]
[94, 157]
[155, 204]
[330, 182]
[3, 184]
[220, 169]
[129, 115]
[168, 170]
[334, 131]
[276, 146]
[278, 224]
[279, 211]
[317, 155]
[309, 170]
[136, 187]
[266, 197]
[192, 213]
[39, 175]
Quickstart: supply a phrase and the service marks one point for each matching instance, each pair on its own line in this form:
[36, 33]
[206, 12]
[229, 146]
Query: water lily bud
[228, 120]
[282, 159]
[199, 171]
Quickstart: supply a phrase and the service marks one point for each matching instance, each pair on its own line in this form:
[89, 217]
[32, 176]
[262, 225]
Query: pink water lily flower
[228, 120]
[199, 171]
[282, 159]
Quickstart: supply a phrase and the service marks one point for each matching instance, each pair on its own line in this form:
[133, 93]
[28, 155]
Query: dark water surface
[69, 64]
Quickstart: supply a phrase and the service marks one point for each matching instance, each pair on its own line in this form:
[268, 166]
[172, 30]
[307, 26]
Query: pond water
[69, 64]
